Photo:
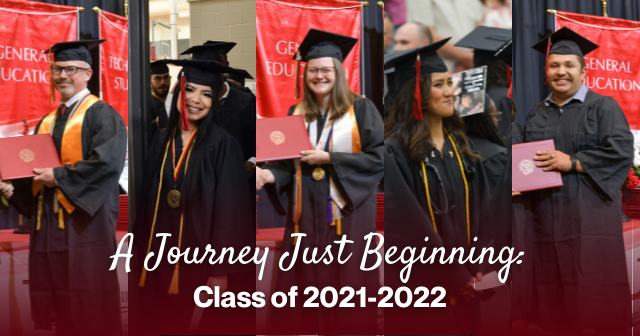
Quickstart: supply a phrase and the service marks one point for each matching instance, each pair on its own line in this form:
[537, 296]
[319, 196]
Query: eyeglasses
[161, 79]
[70, 70]
[324, 71]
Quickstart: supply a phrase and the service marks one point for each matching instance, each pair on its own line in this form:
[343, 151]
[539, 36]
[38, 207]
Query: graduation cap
[485, 41]
[69, 51]
[210, 50]
[159, 68]
[564, 42]
[505, 54]
[415, 63]
[202, 73]
[318, 44]
[239, 76]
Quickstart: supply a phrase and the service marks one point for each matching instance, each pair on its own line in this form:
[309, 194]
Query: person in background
[454, 18]
[388, 33]
[497, 13]
[397, 10]
[160, 82]
[486, 41]
[412, 35]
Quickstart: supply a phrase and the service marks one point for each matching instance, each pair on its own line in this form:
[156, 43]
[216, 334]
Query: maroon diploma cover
[19, 156]
[281, 138]
[526, 176]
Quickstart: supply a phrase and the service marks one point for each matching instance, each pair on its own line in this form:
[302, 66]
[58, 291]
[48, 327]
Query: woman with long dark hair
[333, 187]
[194, 193]
[435, 187]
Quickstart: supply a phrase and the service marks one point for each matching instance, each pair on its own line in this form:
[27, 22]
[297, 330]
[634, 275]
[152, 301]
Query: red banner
[114, 62]
[280, 28]
[613, 68]
[27, 28]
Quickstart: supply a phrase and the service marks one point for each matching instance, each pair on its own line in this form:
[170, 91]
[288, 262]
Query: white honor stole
[345, 138]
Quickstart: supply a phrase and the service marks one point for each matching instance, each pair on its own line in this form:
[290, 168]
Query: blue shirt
[580, 95]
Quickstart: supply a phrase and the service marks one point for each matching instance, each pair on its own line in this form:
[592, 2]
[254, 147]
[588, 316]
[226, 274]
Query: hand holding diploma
[6, 189]
[315, 157]
[45, 176]
[263, 176]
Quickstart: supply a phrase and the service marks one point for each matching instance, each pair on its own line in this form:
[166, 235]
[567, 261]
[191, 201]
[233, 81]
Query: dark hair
[415, 135]
[581, 61]
[480, 125]
[502, 2]
[496, 69]
[191, 184]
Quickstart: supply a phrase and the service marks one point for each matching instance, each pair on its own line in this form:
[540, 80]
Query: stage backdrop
[114, 62]
[27, 29]
[280, 28]
[613, 68]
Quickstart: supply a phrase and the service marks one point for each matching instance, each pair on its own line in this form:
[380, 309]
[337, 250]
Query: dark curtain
[531, 23]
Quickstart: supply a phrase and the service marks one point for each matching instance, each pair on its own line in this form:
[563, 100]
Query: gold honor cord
[173, 288]
[466, 190]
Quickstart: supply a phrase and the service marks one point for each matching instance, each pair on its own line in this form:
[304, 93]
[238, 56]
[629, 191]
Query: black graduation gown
[503, 104]
[240, 88]
[495, 160]
[356, 176]
[408, 222]
[159, 111]
[69, 269]
[578, 249]
[219, 215]
[237, 116]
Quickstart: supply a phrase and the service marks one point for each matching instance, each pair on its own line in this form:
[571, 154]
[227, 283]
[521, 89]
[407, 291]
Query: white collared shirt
[75, 98]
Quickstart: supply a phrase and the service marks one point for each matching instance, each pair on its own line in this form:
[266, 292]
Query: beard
[158, 93]
[65, 91]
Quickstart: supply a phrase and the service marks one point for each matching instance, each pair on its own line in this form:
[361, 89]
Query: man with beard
[160, 81]
[75, 207]
[578, 256]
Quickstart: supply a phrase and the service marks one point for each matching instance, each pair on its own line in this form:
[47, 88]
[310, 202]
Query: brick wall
[227, 20]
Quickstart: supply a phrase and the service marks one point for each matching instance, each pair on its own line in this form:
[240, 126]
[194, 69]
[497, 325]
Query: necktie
[62, 109]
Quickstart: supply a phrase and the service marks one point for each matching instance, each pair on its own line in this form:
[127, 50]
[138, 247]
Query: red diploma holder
[526, 176]
[19, 156]
[281, 138]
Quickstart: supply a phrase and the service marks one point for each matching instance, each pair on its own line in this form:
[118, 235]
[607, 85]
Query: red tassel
[52, 93]
[510, 82]
[183, 104]
[546, 64]
[417, 97]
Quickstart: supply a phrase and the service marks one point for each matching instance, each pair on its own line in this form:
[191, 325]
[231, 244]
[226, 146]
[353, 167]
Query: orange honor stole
[70, 152]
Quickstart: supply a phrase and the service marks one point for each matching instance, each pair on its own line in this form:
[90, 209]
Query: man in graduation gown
[237, 113]
[75, 207]
[580, 273]
[160, 81]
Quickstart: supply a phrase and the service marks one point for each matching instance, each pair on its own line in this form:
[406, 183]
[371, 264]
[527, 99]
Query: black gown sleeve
[249, 130]
[608, 163]
[232, 222]
[359, 173]
[87, 184]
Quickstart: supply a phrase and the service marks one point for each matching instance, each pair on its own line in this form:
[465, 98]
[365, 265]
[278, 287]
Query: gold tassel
[61, 219]
[40, 201]
[174, 288]
[333, 213]
[339, 227]
[143, 277]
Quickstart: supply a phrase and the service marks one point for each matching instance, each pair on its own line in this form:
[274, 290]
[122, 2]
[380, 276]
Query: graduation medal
[173, 198]
[318, 174]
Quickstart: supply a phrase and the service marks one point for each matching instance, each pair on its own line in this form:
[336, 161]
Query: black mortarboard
[159, 68]
[200, 72]
[406, 67]
[73, 50]
[486, 39]
[210, 51]
[505, 53]
[565, 42]
[319, 43]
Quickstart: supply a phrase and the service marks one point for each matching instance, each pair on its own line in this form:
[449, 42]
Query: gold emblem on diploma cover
[27, 155]
[318, 174]
[277, 137]
[174, 198]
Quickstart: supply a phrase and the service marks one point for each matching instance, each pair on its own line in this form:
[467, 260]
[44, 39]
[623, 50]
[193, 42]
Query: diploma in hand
[21, 155]
[526, 176]
[281, 138]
